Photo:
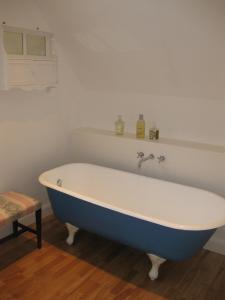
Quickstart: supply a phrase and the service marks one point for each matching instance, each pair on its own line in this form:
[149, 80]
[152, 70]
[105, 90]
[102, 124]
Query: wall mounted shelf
[161, 140]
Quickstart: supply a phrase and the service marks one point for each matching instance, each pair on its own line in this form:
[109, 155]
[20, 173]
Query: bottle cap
[141, 117]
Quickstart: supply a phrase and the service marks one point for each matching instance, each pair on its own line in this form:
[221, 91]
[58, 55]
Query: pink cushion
[15, 205]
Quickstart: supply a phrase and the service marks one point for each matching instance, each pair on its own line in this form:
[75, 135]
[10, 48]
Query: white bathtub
[169, 220]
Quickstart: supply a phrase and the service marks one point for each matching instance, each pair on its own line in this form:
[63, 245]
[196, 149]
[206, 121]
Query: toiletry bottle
[140, 127]
[153, 132]
[119, 126]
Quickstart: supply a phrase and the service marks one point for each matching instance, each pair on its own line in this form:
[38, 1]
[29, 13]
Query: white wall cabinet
[28, 59]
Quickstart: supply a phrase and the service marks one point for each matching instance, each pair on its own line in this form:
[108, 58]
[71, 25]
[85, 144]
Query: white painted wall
[201, 168]
[34, 132]
[162, 58]
[200, 120]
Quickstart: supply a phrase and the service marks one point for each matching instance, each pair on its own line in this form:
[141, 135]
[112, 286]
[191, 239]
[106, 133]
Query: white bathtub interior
[150, 199]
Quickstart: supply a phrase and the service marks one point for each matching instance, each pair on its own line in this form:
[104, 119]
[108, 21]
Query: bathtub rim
[194, 227]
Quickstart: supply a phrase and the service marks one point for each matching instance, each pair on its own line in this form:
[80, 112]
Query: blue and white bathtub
[164, 219]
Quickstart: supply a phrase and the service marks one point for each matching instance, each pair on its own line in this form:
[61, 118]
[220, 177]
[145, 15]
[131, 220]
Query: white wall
[200, 120]
[196, 165]
[34, 132]
[162, 58]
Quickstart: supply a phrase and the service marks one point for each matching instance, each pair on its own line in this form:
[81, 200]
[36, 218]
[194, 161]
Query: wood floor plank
[95, 268]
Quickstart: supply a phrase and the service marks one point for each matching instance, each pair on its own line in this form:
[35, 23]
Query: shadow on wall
[173, 48]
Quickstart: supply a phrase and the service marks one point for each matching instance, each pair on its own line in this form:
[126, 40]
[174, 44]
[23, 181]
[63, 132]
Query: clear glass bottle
[153, 132]
[140, 127]
[119, 126]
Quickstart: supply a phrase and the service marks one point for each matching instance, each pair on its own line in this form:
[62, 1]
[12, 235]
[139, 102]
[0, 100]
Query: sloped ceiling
[165, 47]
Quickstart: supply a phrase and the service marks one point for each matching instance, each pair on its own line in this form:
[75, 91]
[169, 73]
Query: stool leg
[15, 228]
[38, 228]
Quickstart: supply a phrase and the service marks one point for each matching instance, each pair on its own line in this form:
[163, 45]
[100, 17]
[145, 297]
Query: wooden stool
[14, 206]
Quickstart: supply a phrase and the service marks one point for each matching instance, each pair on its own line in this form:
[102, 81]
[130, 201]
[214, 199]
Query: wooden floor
[95, 268]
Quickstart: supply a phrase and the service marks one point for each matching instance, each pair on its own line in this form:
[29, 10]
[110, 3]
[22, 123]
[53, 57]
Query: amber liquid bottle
[140, 127]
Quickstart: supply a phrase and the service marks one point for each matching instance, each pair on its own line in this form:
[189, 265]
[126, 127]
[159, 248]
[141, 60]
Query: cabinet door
[13, 42]
[20, 73]
[36, 45]
[32, 74]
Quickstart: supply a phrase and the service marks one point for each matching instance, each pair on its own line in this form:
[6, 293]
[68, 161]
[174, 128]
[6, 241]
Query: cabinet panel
[20, 73]
[36, 45]
[13, 42]
[32, 73]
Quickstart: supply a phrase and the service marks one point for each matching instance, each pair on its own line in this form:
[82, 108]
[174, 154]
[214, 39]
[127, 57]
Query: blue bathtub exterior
[169, 243]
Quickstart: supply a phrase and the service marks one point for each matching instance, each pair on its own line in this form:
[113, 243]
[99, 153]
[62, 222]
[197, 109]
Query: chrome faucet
[142, 158]
[161, 158]
[140, 154]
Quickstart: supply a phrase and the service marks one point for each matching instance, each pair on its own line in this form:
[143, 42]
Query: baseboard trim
[217, 241]
[27, 220]
[216, 245]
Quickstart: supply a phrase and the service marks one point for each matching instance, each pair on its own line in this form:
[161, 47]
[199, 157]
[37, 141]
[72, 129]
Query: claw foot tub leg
[72, 230]
[156, 262]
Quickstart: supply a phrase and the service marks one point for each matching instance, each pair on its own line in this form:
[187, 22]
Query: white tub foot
[72, 230]
[156, 262]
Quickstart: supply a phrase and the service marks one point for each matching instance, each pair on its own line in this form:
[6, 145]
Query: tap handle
[161, 158]
[140, 154]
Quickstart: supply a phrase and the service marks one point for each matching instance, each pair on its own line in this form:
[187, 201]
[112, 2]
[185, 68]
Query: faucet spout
[143, 159]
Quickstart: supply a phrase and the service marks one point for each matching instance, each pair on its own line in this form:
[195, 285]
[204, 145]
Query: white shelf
[161, 140]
